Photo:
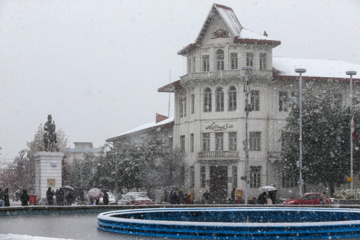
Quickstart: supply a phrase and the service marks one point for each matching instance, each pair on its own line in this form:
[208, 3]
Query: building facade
[209, 118]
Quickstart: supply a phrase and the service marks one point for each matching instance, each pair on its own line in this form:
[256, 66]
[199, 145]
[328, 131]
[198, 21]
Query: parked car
[111, 199]
[136, 198]
[308, 199]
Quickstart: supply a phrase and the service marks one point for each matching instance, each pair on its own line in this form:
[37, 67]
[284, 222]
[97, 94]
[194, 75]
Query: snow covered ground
[25, 237]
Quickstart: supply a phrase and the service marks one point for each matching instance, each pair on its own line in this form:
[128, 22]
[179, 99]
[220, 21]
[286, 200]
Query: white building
[209, 121]
[80, 151]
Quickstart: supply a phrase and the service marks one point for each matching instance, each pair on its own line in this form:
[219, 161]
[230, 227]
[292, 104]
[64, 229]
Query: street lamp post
[248, 109]
[351, 73]
[300, 71]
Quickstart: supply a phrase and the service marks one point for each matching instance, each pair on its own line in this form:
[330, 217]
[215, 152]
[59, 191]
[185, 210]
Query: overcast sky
[96, 65]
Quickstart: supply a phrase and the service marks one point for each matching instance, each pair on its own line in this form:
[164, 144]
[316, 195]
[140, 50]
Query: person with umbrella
[95, 194]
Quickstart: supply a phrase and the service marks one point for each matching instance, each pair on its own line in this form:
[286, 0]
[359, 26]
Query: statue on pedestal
[49, 135]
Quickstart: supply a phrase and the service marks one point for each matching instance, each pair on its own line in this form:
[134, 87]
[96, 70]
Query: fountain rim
[108, 216]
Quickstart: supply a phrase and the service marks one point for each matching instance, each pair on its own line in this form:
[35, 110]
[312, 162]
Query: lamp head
[350, 73]
[300, 70]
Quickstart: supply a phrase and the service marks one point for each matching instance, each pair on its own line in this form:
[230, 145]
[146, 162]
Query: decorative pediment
[220, 33]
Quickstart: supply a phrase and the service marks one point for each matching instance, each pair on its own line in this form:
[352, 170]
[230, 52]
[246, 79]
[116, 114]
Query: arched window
[232, 98]
[220, 59]
[207, 100]
[219, 99]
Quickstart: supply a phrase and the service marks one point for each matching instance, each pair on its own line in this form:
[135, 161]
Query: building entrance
[218, 183]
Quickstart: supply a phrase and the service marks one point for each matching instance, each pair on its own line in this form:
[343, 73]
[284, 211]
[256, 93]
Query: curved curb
[235, 223]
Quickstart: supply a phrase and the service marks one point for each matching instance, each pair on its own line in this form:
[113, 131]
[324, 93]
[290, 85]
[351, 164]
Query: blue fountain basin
[235, 223]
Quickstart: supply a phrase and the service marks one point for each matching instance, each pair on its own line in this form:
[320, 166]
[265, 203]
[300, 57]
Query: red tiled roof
[171, 87]
[257, 41]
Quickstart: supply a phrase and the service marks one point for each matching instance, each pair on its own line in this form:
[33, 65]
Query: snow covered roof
[146, 127]
[242, 35]
[316, 68]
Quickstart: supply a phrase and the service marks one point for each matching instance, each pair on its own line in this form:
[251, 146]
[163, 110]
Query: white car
[111, 199]
[136, 198]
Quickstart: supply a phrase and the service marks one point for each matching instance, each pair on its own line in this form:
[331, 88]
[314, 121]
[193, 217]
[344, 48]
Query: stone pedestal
[48, 171]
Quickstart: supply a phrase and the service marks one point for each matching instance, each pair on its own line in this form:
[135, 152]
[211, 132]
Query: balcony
[218, 155]
[226, 74]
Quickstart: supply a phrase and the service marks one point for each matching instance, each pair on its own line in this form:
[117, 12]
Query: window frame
[192, 103]
[255, 100]
[232, 141]
[182, 143]
[207, 100]
[191, 142]
[249, 59]
[205, 59]
[234, 60]
[255, 176]
[206, 142]
[232, 98]
[262, 61]
[235, 174]
[202, 176]
[220, 102]
[219, 141]
[255, 141]
[283, 101]
[220, 60]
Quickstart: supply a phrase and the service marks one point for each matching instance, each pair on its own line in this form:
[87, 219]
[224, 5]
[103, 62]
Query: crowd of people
[59, 196]
[24, 197]
[181, 198]
[5, 196]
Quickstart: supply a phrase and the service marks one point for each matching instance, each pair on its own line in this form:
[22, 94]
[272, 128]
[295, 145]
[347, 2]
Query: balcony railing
[211, 155]
[228, 74]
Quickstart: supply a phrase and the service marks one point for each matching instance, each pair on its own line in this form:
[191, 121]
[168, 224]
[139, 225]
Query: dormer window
[220, 59]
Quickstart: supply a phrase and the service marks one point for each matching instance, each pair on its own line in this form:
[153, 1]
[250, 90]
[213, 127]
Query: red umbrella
[94, 194]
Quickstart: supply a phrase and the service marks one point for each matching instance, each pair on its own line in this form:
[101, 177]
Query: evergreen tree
[325, 138]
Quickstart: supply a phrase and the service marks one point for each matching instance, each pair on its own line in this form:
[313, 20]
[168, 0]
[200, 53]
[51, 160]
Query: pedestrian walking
[70, 197]
[50, 196]
[18, 194]
[57, 197]
[233, 196]
[24, 198]
[105, 198]
[6, 197]
[206, 197]
[323, 199]
[2, 203]
[61, 197]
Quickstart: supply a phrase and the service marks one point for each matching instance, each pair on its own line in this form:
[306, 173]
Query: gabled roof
[241, 34]
[229, 17]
